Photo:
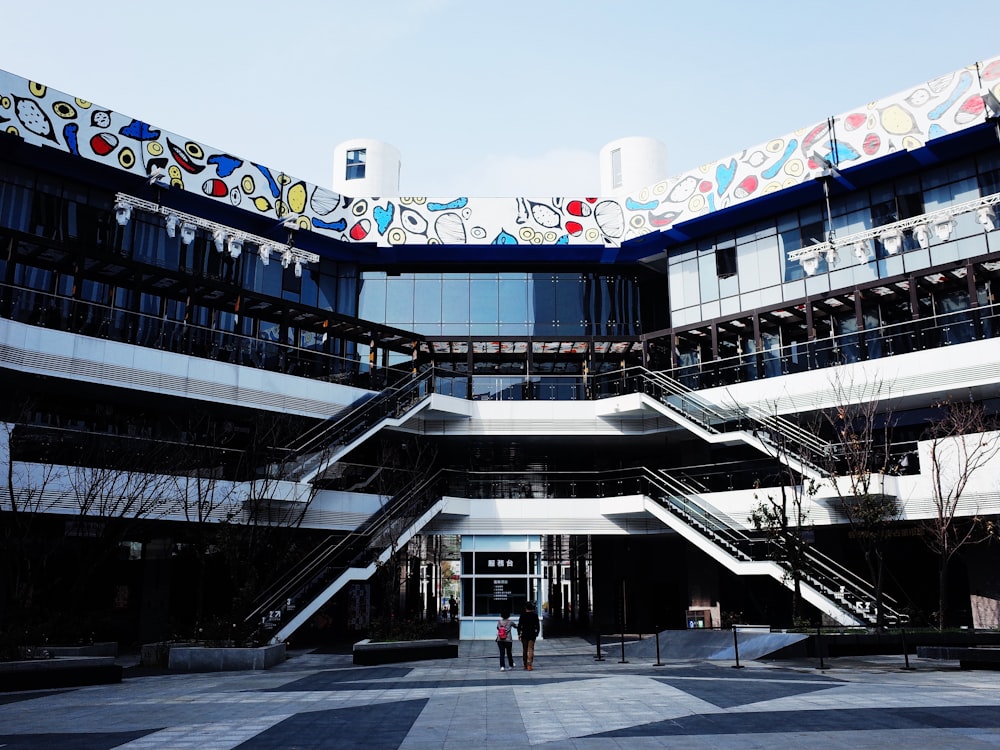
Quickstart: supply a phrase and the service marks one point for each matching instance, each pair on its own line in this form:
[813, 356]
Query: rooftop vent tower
[630, 164]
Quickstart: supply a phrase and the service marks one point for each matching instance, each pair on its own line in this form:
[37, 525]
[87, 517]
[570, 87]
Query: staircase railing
[337, 553]
[833, 580]
[782, 435]
[826, 573]
[314, 446]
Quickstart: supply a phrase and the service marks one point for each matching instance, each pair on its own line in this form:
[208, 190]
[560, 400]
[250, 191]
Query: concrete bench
[368, 653]
[968, 657]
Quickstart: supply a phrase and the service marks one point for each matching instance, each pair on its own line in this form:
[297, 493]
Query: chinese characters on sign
[499, 563]
[501, 592]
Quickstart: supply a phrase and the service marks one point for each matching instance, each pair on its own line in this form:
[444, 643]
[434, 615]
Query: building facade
[582, 401]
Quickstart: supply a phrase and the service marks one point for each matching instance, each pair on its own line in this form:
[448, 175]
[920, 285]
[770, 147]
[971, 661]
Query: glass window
[909, 200]
[427, 300]
[399, 301]
[484, 299]
[269, 330]
[347, 295]
[989, 175]
[371, 306]
[569, 302]
[455, 301]
[750, 273]
[327, 289]
[768, 263]
[708, 277]
[789, 239]
[514, 301]
[356, 159]
[15, 204]
[291, 285]
[684, 285]
[725, 261]
[309, 293]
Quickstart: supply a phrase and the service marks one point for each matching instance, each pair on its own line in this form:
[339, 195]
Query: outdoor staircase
[339, 559]
[833, 589]
[772, 434]
[317, 449]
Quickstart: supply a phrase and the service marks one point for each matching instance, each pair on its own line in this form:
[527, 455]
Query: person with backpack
[528, 629]
[505, 640]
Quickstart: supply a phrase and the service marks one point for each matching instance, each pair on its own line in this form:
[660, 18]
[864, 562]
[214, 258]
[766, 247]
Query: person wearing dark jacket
[528, 629]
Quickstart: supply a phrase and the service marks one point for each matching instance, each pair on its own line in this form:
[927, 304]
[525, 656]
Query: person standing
[528, 629]
[505, 639]
[452, 608]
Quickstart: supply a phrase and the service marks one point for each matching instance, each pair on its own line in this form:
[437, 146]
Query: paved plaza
[570, 700]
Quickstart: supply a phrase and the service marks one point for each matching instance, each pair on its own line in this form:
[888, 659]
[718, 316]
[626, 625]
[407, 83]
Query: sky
[497, 98]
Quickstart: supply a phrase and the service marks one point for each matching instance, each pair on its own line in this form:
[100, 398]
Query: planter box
[103, 648]
[968, 657]
[368, 653]
[184, 658]
[72, 671]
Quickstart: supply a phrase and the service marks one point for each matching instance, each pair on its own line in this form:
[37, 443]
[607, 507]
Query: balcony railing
[116, 324]
[94, 319]
[888, 340]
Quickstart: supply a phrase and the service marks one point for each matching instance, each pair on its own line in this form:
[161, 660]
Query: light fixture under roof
[123, 212]
[987, 217]
[942, 223]
[810, 263]
[862, 250]
[219, 236]
[892, 240]
[187, 232]
[222, 235]
[171, 223]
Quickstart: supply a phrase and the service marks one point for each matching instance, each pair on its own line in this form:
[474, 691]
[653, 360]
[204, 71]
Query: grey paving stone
[570, 702]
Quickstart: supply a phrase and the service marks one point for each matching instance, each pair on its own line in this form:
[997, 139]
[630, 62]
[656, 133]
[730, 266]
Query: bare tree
[30, 491]
[963, 441]
[96, 488]
[259, 538]
[404, 494]
[785, 517]
[208, 501]
[862, 457]
[785, 520]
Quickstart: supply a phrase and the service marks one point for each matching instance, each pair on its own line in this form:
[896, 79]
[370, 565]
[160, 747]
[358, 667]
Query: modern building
[584, 401]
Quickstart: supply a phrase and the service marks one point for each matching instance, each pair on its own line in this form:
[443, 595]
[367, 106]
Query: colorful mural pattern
[907, 120]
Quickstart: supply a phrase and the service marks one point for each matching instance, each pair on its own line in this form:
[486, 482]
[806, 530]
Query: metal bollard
[819, 646]
[658, 662]
[736, 648]
[600, 656]
[906, 654]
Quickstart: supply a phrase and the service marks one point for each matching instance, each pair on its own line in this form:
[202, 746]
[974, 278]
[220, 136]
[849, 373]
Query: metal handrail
[394, 401]
[336, 554]
[686, 401]
[828, 576]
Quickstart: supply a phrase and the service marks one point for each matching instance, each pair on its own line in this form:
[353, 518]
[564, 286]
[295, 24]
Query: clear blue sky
[489, 98]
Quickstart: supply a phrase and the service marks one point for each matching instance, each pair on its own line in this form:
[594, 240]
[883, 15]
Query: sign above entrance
[501, 563]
